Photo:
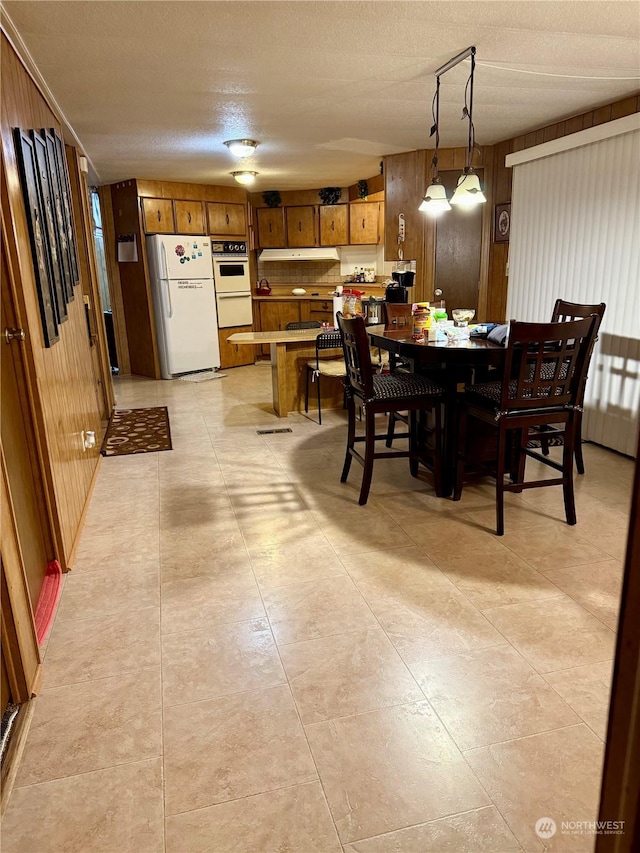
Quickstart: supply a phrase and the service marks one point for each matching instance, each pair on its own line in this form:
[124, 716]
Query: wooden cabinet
[227, 220]
[404, 186]
[189, 217]
[235, 355]
[364, 222]
[302, 226]
[274, 316]
[270, 221]
[158, 216]
[334, 224]
[314, 309]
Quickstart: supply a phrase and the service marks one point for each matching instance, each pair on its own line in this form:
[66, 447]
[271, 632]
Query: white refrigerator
[184, 303]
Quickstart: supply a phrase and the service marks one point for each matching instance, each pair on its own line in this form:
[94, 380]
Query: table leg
[278, 379]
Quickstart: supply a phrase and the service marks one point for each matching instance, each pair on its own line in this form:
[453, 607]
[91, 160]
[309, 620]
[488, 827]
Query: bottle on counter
[421, 319]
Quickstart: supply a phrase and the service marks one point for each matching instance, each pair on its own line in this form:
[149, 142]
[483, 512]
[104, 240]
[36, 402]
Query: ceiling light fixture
[468, 193]
[241, 147]
[244, 177]
[435, 199]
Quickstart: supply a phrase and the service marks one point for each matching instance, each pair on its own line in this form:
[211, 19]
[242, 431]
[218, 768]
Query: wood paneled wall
[499, 188]
[61, 377]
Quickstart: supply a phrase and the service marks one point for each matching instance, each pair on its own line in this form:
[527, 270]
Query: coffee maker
[397, 291]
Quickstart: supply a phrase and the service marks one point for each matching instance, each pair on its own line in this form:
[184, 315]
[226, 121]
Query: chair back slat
[326, 341]
[296, 326]
[564, 311]
[357, 358]
[546, 364]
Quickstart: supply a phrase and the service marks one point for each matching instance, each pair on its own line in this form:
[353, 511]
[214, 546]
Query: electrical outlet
[88, 439]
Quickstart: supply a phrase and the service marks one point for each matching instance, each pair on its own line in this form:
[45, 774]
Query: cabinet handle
[189, 215]
[363, 223]
[332, 226]
[300, 225]
[159, 217]
[269, 228]
[227, 217]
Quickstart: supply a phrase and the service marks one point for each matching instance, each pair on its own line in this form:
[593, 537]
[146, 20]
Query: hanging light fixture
[241, 147]
[244, 177]
[435, 199]
[468, 193]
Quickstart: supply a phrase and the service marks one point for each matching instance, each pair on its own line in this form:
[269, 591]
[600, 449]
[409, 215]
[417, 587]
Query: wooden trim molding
[620, 792]
[575, 140]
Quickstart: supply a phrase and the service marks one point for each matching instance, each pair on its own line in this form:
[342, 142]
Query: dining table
[453, 366]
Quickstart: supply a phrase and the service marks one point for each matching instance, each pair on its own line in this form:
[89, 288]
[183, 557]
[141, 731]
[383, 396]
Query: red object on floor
[48, 600]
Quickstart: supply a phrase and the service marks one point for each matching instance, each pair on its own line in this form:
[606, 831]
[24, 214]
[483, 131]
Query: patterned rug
[137, 431]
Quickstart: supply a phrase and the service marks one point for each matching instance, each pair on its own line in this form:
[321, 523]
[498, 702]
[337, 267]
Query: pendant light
[435, 199]
[244, 177]
[468, 193]
[241, 147]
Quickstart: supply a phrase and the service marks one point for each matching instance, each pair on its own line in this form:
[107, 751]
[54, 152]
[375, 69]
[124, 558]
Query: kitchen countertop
[291, 298]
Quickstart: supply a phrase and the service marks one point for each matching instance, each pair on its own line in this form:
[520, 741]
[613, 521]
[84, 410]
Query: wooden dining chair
[298, 325]
[544, 372]
[381, 393]
[564, 311]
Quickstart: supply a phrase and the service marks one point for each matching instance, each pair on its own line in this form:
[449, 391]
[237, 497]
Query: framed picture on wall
[59, 218]
[502, 223]
[51, 239]
[37, 235]
[67, 209]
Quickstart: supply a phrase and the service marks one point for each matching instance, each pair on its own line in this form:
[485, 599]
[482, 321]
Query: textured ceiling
[152, 89]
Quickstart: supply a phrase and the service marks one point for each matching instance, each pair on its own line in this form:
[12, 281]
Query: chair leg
[500, 472]
[461, 447]
[319, 405]
[306, 392]
[578, 447]
[567, 472]
[391, 429]
[351, 434]
[369, 450]
[437, 450]
[413, 442]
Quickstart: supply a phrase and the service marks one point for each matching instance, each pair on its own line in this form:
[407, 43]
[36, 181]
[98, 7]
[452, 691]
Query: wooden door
[227, 220]
[364, 222]
[302, 226]
[19, 643]
[334, 224]
[458, 247]
[19, 437]
[158, 216]
[189, 217]
[270, 222]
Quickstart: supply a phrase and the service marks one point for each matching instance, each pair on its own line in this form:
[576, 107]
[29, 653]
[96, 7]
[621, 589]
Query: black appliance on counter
[398, 291]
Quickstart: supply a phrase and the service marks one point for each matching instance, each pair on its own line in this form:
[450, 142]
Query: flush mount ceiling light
[241, 147]
[468, 193]
[244, 177]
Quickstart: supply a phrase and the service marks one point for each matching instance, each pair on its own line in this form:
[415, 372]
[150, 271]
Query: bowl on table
[462, 316]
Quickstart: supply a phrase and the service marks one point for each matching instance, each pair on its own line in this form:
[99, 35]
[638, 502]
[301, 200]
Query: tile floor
[246, 660]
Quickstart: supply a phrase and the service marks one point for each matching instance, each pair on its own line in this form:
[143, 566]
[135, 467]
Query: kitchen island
[290, 352]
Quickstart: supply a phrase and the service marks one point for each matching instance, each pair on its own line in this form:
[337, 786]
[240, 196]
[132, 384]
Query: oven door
[234, 309]
[231, 275]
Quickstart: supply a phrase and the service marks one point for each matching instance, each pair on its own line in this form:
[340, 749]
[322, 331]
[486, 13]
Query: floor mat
[202, 376]
[137, 431]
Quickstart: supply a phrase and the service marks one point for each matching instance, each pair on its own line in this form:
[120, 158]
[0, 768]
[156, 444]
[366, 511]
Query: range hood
[328, 253]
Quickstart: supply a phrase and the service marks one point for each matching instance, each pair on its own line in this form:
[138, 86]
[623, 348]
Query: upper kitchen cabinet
[334, 224]
[302, 226]
[404, 188]
[365, 222]
[227, 220]
[189, 217]
[158, 216]
[270, 221]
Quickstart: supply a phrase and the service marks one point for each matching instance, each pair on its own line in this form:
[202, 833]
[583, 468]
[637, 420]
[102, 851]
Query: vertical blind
[575, 234]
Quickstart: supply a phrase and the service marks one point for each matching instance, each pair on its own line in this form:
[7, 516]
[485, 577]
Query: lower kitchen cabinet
[312, 309]
[274, 317]
[234, 355]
